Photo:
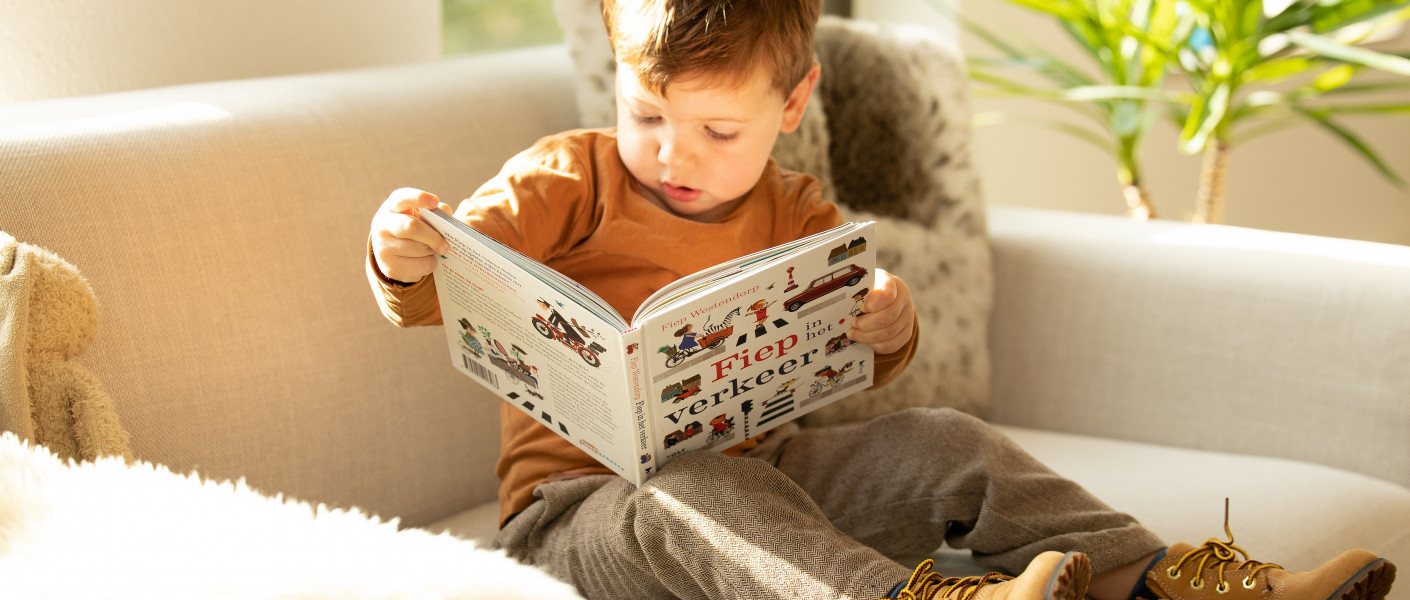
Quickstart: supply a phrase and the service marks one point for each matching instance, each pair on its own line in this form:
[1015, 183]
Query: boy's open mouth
[680, 194]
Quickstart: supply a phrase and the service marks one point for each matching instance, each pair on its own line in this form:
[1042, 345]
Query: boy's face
[702, 147]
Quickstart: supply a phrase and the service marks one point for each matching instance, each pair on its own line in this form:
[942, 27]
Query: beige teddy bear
[48, 315]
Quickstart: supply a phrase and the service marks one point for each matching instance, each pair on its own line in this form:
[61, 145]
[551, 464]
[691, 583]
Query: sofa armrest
[1209, 337]
[223, 227]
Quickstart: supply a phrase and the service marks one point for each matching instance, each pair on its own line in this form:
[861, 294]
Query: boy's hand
[889, 315]
[404, 246]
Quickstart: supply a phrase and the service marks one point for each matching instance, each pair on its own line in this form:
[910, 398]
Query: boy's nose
[673, 154]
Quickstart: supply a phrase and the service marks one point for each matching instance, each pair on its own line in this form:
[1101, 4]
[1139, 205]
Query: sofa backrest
[223, 227]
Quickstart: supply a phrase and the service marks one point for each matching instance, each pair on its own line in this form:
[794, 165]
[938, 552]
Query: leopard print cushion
[887, 133]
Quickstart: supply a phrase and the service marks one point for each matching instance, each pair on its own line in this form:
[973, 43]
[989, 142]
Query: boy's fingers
[881, 314]
[408, 201]
[877, 321]
[402, 247]
[883, 294]
[401, 227]
[888, 322]
[896, 339]
[886, 339]
[407, 269]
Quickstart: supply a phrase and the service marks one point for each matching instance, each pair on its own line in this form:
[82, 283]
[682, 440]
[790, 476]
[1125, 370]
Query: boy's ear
[797, 100]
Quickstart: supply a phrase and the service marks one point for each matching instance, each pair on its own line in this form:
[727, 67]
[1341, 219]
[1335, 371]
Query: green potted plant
[1248, 72]
[1239, 64]
[1117, 102]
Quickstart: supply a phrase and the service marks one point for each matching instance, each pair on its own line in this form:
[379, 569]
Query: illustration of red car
[846, 276]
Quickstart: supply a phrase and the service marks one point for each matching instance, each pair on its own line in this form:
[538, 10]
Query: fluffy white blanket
[107, 529]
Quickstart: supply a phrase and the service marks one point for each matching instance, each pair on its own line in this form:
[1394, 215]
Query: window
[482, 25]
[469, 26]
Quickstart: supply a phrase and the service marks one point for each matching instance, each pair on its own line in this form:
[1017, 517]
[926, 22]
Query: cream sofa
[223, 227]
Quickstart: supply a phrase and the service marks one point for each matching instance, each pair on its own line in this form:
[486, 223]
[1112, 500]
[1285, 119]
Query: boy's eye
[723, 137]
[645, 120]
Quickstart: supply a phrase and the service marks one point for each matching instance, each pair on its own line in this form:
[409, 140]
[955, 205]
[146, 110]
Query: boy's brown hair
[664, 40]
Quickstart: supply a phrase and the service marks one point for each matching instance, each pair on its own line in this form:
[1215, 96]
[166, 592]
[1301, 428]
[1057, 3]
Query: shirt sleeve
[405, 305]
[539, 204]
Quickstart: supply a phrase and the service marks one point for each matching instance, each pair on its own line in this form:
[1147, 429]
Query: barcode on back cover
[481, 371]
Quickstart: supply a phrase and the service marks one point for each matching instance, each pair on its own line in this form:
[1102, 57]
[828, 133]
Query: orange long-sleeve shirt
[570, 203]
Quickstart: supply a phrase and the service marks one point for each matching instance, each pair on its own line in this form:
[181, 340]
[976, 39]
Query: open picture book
[706, 362]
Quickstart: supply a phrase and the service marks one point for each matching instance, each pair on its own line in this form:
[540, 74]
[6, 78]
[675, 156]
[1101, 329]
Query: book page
[760, 348]
[695, 283]
[534, 346]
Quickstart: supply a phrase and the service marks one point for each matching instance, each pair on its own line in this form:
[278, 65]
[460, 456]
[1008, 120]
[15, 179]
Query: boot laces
[926, 585]
[1215, 553]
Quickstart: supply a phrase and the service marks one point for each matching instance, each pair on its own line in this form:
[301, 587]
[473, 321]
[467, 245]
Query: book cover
[520, 334]
[707, 362]
[759, 348]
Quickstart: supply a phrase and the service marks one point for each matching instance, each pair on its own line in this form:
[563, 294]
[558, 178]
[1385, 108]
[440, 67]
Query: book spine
[642, 433]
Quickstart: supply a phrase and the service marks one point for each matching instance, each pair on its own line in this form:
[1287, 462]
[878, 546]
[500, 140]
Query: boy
[684, 182]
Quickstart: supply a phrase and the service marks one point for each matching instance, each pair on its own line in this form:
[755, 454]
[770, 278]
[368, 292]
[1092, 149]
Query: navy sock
[896, 591]
[1141, 590]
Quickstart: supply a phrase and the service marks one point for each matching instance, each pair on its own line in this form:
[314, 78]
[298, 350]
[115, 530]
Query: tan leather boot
[1214, 571]
[1051, 576]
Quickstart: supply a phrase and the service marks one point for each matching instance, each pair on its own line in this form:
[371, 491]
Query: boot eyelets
[1222, 588]
[1249, 583]
[1173, 573]
[1196, 583]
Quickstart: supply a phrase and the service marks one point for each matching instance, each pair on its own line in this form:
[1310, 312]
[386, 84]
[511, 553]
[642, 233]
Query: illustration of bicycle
[588, 352]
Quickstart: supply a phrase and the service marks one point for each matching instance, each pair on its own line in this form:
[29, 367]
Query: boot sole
[1069, 579]
[1372, 582]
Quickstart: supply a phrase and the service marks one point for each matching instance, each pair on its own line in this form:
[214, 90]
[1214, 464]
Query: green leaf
[1088, 42]
[1014, 87]
[1297, 14]
[1265, 128]
[1062, 10]
[1077, 131]
[1278, 69]
[1057, 71]
[1203, 123]
[1357, 88]
[1334, 78]
[1122, 92]
[1331, 16]
[1352, 140]
[1086, 93]
[1074, 75]
[1351, 54]
[1250, 16]
[1259, 102]
[1127, 118]
[1385, 109]
[1007, 88]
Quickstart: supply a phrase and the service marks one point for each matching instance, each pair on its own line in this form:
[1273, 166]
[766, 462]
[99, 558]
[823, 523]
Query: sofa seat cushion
[480, 523]
[1287, 512]
[1292, 513]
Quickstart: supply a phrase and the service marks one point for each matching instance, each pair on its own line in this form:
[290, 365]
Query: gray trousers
[815, 513]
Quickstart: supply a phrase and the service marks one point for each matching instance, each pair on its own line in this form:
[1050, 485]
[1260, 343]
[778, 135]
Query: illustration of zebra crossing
[779, 405]
[543, 415]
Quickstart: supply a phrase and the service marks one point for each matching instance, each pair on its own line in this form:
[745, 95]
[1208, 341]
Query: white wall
[58, 48]
[1300, 180]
